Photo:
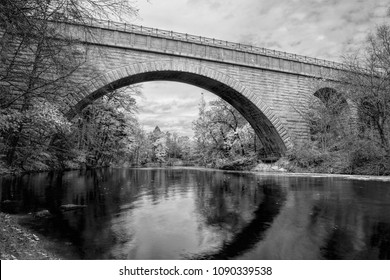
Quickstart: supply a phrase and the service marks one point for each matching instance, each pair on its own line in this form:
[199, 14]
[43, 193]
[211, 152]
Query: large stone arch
[262, 118]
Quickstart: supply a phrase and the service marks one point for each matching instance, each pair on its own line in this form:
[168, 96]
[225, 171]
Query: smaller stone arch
[331, 97]
[338, 108]
[267, 125]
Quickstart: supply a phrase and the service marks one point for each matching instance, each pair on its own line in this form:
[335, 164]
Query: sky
[324, 29]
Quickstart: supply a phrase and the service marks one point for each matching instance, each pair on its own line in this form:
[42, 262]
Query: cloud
[211, 4]
[263, 21]
[171, 106]
[172, 123]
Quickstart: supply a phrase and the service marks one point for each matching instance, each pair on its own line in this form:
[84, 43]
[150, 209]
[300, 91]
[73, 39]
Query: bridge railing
[132, 28]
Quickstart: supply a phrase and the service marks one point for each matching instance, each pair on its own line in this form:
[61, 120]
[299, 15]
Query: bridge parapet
[170, 42]
[132, 28]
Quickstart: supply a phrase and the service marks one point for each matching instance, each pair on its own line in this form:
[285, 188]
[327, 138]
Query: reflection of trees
[251, 232]
[380, 240]
[226, 200]
[27, 192]
[358, 227]
[358, 232]
[104, 195]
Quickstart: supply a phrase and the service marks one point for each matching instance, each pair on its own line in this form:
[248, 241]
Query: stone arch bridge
[267, 87]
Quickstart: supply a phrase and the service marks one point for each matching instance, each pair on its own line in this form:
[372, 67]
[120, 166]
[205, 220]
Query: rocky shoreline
[19, 243]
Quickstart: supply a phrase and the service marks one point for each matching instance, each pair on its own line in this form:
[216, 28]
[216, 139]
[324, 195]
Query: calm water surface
[207, 214]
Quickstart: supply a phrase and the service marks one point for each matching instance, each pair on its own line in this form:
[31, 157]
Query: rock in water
[42, 214]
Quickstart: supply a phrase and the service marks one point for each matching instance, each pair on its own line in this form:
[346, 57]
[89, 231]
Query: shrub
[366, 157]
[307, 155]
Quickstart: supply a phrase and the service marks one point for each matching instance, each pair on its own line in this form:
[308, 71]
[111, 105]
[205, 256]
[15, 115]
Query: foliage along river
[188, 213]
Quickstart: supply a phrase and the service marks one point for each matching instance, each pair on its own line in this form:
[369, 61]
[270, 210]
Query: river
[188, 213]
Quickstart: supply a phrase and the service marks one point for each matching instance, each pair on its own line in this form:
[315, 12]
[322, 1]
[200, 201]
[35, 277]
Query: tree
[160, 149]
[222, 134]
[186, 148]
[328, 117]
[37, 63]
[173, 145]
[105, 130]
[142, 147]
[354, 140]
[158, 141]
[367, 85]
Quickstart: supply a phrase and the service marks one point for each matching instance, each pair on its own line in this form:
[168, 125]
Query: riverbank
[283, 165]
[331, 175]
[290, 168]
[20, 243]
[283, 172]
[20, 239]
